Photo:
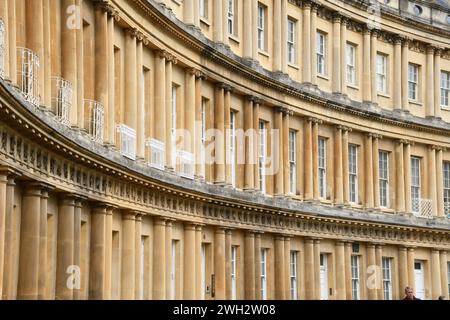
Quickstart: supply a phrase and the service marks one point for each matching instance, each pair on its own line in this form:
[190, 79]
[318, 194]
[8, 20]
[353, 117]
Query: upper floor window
[387, 278]
[263, 274]
[233, 272]
[203, 8]
[383, 170]
[291, 33]
[294, 295]
[233, 147]
[322, 168]
[355, 277]
[292, 161]
[446, 167]
[321, 51]
[232, 17]
[261, 27]
[413, 81]
[351, 64]
[445, 88]
[381, 73]
[415, 184]
[353, 172]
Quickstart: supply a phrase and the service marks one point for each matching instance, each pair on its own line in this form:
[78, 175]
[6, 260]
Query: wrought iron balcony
[422, 208]
[94, 118]
[156, 151]
[127, 141]
[186, 163]
[62, 93]
[28, 75]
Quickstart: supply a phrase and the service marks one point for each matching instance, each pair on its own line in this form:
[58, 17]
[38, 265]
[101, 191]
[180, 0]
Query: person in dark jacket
[409, 294]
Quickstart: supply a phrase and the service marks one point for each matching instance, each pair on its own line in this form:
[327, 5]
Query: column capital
[225, 86]
[8, 171]
[374, 135]
[340, 242]
[279, 237]
[197, 73]
[314, 120]
[438, 51]
[284, 110]
[253, 99]
[100, 205]
[307, 4]
[405, 141]
[437, 148]
[129, 215]
[220, 230]
[370, 245]
[336, 17]
[430, 49]
[343, 128]
[403, 248]
[190, 226]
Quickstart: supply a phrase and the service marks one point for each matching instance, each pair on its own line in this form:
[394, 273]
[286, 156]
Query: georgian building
[224, 149]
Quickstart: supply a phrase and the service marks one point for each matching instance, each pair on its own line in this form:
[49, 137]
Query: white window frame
[233, 147]
[445, 89]
[387, 277]
[263, 273]
[322, 154]
[173, 269]
[261, 27]
[203, 270]
[203, 9]
[416, 183]
[413, 82]
[291, 43]
[293, 275]
[262, 155]
[173, 130]
[446, 183]
[353, 172]
[231, 12]
[350, 59]
[142, 269]
[233, 272]
[321, 52]
[383, 172]
[381, 69]
[293, 161]
[356, 275]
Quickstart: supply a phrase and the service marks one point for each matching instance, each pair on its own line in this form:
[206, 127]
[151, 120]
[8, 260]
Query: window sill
[263, 53]
[294, 66]
[234, 38]
[384, 95]
[415, 102]
[205, 21]
[445, 108]
[324, 77]
[355, 87]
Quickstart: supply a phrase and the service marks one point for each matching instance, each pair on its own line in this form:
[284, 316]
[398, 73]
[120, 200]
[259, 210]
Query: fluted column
[190, 103]
[249, 266]
[219, 263]
[159, 259]
[128, 255]
[249, 145]
[140, 91]
[111, 119]
[308, 153]
[228, 289]
[345, 168]
[369, 172]
[285, 150]
[407, 171]
[254, 27]
[371, 262]
[198, 262]
[227, 134]
[138, 288]
[169, 125]
[403, 278]
[283, 19]
[405, 97]
[366, 87]
[397, 93]
[43, 245]
[315, 154]
[278, 153]
[189, 262]
[429, 83]
[255, 136]
[373, 65]
[277, 34]
[218, 16]
[379, 263]
[160, 94]
[47, 70]
[440, 183]
[65, 247]
[348, 270]
[410, 268]
[108, 252]
[338, 182]
[343, 70]
[198, 126]
[97, 255]
[219, 141]
[287, 268]
[247, 30]
[312, 48]
[307, 65]
[435, 274]
[432, 182]
[280, 273]
[258, 295]
[317, 268]
[3, 209]
[78, 89]
[336, 65]
[309, 270]
[168, 238]
[376, 171]
[444, 273]
[400, 182]
[437, 82]
[130, 116]
[340, 270]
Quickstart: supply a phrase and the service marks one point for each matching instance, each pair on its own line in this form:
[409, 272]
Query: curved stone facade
[273, 149]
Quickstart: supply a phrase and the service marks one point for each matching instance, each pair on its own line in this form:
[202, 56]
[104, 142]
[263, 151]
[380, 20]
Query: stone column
[108, 252]
[255, 136]
[190, 104]
[437, 82]
[78, 89]
[69, 60]
[226, 135]
[343, 70]
[336, 77]
[228, 289]
[130, 116]
[315, 155]
[254, 23]
[138, 288]
[366, 87]
[287, 268]
[35, 37]
[373, 65]
[3, 209]
[65, 247]
[308, 153]
[369, 172]
[403, 278]
[198, 262]
[189, 262]
[400, 174]
[376, 172]
[5, 18]
[429, 83]
[197, 14]
[258, 295]
[283, 19]
[435, 274]
[432, 182]
[198, 126]
[160, 94]
[338, 182]
[407, 171]
[47, 70]
[410, 268]
[188, 12]
[219, 143]
[247, 30]
[309, 270]
[307, 37]
[97, 272]
[219, 262]
[159, 259]
[371, 262]
[379, 263]
[225, 22]
[169, 125]
[348, 270]
[317, 268]
[340, 270]
[249, 266]
[440, 183]
[280, 273]
[101, 63]
[111, 82]
[444, 273]
[405, 97]
[168, 238]
[397, 93]
[278, 153]
[277, 34]
[313, 37]
[285, 145]
[43, 245]
[345, 168]
[128, 255]
[140, 91]
[249, 145]
[217, 21]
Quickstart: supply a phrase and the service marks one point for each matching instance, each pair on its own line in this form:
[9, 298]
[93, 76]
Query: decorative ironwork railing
[156, 151]
[94, 119]
[186, 164]
[28, 75]
[62, 93]
[422, 208]
[127, 141]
